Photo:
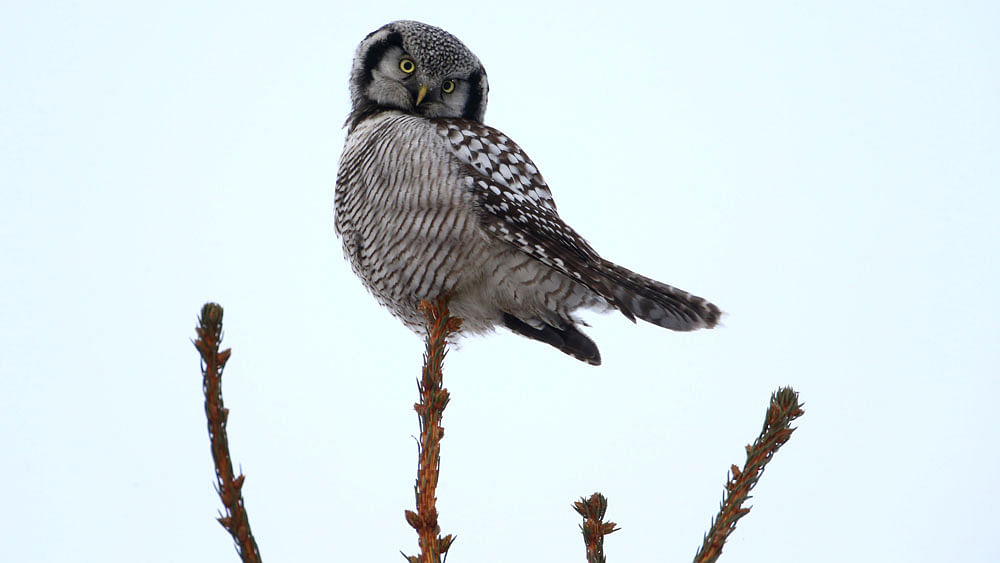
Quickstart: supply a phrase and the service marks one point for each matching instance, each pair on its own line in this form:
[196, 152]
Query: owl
[432, 202]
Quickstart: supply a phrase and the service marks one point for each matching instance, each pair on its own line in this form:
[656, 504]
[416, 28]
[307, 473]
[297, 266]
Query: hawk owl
[430, 201]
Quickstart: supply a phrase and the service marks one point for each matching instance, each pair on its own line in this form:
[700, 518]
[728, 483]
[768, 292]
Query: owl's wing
[517, 207]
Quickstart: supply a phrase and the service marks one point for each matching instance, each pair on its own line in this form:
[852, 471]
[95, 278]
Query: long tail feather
[654, 302]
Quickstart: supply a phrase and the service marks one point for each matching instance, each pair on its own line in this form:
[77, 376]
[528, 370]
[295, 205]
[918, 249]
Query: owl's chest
[402, 200]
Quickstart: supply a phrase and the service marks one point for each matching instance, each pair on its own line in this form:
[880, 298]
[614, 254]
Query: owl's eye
[407, 66]
[448, 87]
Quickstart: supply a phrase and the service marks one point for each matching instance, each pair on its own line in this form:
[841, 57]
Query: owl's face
[418, 69]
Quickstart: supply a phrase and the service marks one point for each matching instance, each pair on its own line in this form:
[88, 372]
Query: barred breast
[411, 229]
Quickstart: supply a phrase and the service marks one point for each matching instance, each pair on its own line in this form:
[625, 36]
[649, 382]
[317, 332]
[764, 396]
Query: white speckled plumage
[430, 202]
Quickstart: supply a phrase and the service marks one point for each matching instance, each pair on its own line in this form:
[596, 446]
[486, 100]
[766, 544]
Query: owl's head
[418, 69]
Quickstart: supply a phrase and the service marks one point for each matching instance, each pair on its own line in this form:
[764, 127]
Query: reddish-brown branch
[784, 408]
[594, 527]
[430, 409]
[229, 487]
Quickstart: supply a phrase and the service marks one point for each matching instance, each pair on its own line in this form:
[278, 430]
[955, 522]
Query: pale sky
[827, 175]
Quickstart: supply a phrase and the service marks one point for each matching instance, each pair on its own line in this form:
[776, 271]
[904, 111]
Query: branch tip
[228, 486]
[594, 528]
[430, 410]
[783, 408]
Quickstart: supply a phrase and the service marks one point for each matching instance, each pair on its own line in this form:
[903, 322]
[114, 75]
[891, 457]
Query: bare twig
[430, 409]
[784, 408]
[235, 520]
[594, 527]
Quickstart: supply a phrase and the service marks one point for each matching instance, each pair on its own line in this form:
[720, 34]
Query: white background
[828, 176]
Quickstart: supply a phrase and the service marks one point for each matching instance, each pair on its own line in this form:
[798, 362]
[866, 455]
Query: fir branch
[784, 408]
[229, 487]
[433, 400]
[594, 528]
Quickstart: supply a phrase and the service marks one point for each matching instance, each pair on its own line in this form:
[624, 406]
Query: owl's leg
[569, 340]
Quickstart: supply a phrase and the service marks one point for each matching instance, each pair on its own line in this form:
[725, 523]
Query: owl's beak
[421, 93]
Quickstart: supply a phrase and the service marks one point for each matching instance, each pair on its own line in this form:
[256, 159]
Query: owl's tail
[632, 294]
[654, 302]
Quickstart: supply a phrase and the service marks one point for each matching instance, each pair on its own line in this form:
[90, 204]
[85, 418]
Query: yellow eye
[407, 66]
[448, 87]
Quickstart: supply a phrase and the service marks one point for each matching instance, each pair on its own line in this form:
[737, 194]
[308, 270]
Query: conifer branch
[433, 400]
[594, 528]
[784, 408]
[229, 487]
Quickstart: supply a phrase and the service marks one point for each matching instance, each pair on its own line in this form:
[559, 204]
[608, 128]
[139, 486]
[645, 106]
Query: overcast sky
[827, 175]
